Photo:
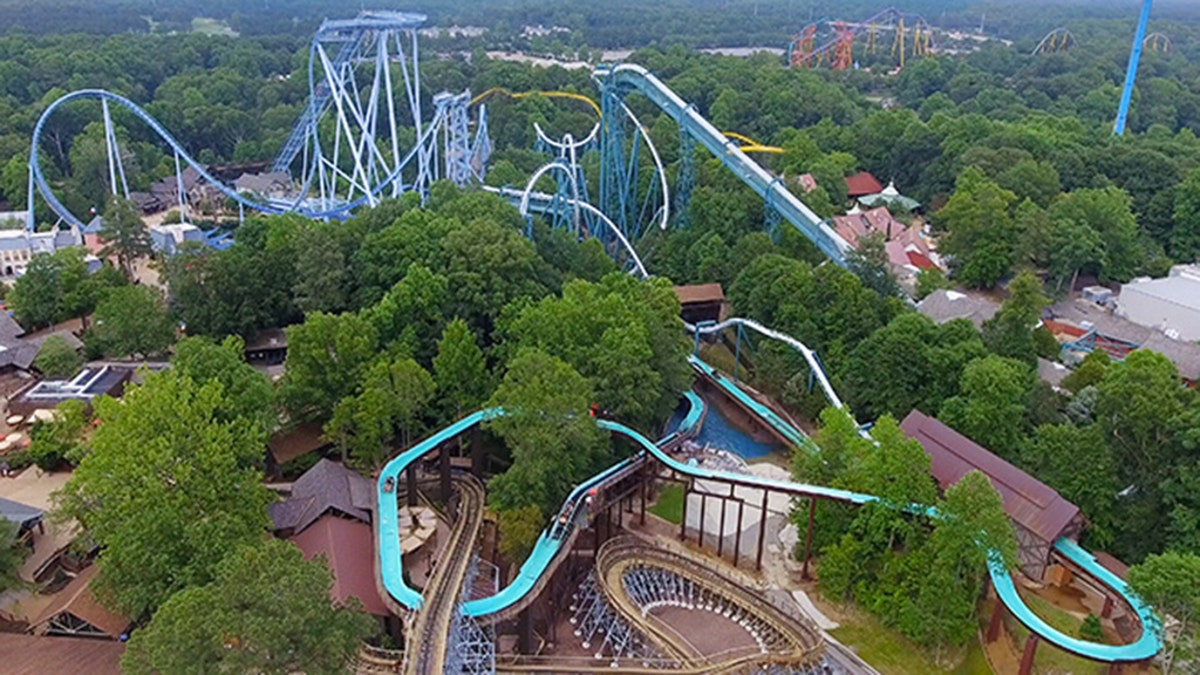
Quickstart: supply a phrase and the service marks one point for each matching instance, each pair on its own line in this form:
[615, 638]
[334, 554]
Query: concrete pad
[810, 610]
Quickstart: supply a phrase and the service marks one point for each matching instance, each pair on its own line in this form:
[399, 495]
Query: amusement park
[391, 342]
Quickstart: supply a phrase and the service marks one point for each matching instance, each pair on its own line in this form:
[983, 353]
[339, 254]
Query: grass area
[207, 26]
[1050, 659]
[718, 356]
[1058, 618]
[891, 653]
[669, 505]
[974, 663]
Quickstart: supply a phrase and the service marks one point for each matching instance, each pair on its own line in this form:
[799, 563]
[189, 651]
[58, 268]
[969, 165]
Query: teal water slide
[574, 510]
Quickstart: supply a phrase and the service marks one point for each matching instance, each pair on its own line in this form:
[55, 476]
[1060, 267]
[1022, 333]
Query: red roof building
[862, 184]
[348, 547]
[1039, 514]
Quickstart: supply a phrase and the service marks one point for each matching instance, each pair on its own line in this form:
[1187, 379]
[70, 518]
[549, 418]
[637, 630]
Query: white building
[17, 247]
[167, 239]
[11, 220]
[1170, 304]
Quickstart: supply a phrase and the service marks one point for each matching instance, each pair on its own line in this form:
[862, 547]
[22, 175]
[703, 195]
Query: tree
[1079, 464]
[35, 296]
[869, 262]
[410, 314]
[327, 356]
[487, 265]
[1033, 180]
[56, 287]
[394, 394]
[132, 320]
[460, 371]
[1184, 243]
[1089, 372]
[930, 280]
[994, 392]
[57, 358]
[1010, 332]
[909, 363]
[1107, 211]
[979, 232]
[267, 610]
[124, 234]
[554, 442]
[166, 491]
[519, 531]
[1170, 583]
[247, 392]
[622, 334]
[61, 439]
[1142, 414]
[321, 274]
[971, 527]
[13, 552]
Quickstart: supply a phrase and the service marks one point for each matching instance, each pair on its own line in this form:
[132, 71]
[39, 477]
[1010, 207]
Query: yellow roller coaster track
[546, 94]
[749, 144]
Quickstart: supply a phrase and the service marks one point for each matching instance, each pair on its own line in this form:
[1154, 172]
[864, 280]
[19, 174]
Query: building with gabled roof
[33, 655]
[1039, 514]
[348, 547]
[326, 488]
[75, 611]
[862, 184]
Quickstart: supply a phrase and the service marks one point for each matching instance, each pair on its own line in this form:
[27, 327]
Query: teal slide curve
[551, 540]
[1147, 645]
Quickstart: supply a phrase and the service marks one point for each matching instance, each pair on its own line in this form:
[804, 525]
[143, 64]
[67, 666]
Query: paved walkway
[33, 487]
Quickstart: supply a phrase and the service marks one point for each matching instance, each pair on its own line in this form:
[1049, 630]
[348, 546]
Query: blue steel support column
[1135, 55]
[685, 178]
[737, 354]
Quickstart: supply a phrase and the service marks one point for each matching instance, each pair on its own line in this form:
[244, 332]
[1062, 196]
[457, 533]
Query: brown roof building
[348, 547]
[76, 612]
[288, 444]
[86, 386]
[33, 655]
[862, 184]
[1039, 514]
[701, 302]
[326, 488]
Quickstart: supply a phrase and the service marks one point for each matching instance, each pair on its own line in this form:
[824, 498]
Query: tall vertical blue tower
[1131, 73]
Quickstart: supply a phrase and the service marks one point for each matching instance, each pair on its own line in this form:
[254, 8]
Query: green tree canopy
[554, 442]
[13, 552]
[624, 335]
[1170, 583]
[394, 395]
[991, 408]
[247, 392]
[166, 490]
[460, 371]
[327, 356]
[909, 363]
[57, 358]
[266, 610]
[132, 320]
[124, 234]
[1010, 332]
[979, 230]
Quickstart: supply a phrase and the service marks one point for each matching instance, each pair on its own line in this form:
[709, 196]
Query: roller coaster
[351, 153]
[350, 149]
[910, 32]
